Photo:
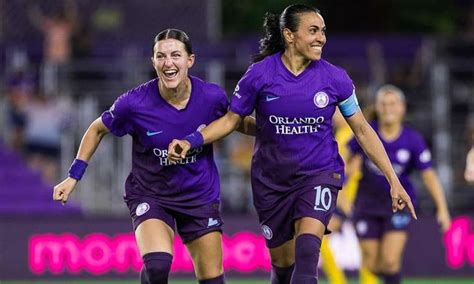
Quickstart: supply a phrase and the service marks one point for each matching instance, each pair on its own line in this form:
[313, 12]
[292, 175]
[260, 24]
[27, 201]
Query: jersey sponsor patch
[142, 208]
[267, 232]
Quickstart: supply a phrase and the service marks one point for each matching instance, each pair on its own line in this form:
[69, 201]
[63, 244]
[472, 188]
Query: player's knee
[158, 266]
[370, 263]
[307, 245]
[283, 258]
[370, 259]
[390, 265]
[283, 261]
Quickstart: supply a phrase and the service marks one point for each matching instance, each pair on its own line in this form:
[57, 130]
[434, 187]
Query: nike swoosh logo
[271, 98]
[149, 133]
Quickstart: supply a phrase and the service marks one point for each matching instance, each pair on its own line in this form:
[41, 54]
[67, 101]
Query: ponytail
[273, 41]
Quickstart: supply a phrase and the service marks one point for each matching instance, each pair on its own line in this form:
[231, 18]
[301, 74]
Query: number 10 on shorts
[323, 198]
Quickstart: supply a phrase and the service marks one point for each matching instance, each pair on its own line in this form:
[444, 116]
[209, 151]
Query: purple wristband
[77, 169]
[195, 139]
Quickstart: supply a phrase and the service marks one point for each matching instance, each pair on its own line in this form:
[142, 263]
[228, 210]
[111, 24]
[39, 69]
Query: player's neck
[295, 63]
[179, 96]
[390, 132]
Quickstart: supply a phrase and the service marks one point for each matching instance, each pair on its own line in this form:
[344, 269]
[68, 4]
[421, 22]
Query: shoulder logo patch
[425, 156]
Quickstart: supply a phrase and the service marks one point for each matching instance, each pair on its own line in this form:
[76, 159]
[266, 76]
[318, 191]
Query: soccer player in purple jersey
[381, 232]
[158, 194]
[296, 168]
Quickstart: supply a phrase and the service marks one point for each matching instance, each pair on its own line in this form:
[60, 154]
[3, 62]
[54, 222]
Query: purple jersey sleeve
[245, 93]
[116, 118]
[344, 86]
[222, 104]
[421, 153]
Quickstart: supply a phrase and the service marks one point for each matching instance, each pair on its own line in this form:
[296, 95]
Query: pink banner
[459, 243]
[100, 254]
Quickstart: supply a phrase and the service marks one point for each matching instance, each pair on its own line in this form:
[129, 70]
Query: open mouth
[317, 47]
[170, 74]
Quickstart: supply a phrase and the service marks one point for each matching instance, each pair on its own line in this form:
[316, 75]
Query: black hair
[174, 34]
[273, 24]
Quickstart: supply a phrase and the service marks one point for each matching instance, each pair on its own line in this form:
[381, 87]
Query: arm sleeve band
[195, 139]
[349, 106]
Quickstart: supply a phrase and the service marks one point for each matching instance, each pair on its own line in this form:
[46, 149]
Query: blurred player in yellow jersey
[333, 272]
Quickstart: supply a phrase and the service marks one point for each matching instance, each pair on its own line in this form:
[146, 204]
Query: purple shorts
[318, 202]
[191, 223]
[374, 227]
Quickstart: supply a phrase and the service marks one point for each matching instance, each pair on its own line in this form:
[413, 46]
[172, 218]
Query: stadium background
[46, 103]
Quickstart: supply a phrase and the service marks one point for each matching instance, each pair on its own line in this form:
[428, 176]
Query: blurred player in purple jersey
[160, 195]
[381, 232]
[296, 169]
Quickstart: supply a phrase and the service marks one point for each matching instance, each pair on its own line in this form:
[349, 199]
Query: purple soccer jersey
[408, 152]
[294, 144]
[153, 123]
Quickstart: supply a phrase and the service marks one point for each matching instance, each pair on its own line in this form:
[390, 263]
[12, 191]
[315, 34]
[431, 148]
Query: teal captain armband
[349, 106]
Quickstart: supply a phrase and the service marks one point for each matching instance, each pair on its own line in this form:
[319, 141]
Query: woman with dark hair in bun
[296, 168]
[161, 195]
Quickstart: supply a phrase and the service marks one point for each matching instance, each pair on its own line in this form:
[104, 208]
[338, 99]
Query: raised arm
[218, 129]
[431, 181]
[91, 139]
[374, 149]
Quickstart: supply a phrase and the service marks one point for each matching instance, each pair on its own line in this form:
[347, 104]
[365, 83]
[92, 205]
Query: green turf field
[246, 281]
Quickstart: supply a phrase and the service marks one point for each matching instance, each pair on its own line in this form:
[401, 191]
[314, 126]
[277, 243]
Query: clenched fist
[64, 189]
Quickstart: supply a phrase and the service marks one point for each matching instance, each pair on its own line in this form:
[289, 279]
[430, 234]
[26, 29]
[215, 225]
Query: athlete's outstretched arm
[248, 126]
[218, 129]
[91, 139]
[374, 149]
[431, 181]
